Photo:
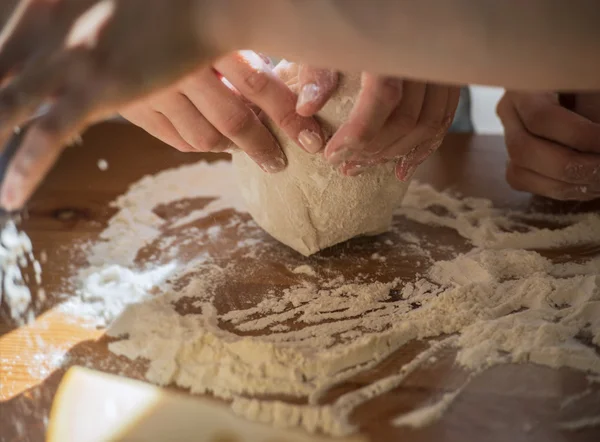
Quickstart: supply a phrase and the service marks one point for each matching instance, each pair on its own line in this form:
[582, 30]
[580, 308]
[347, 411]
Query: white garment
[484, 100]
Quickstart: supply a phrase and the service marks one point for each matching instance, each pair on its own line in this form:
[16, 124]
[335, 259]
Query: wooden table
[510, 402]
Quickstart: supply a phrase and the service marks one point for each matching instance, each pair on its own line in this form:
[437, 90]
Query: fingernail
[311, 141]
[308, 94]
[274, 165]
[355, 171]
[266, 59]
[336, 158]
[406, 168]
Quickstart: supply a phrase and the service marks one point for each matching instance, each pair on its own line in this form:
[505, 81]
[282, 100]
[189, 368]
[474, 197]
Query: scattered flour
[106, 291]
[503, 301]
[16, 254]
[47, 360]
[103, 165]
[305, 270]
[137, 222]
[485, 226]
[427, 414]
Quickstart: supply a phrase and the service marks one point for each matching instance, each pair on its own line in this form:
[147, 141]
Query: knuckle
[287, 119]
[407, 122]
[237, 123]
[576, 171]
[207, 142]
[363, 132]
[256, 82]
[390, 90]
[181, 147]
[516, 141]
[433, 128]
[535, 118]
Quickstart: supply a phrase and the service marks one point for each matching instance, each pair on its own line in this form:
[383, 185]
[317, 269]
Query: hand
[392, 120]
[87, 59]
[553, 151]
[203, 114]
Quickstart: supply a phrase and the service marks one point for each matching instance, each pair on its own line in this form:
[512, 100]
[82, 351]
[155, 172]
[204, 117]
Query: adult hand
[87, 59]
[202, 113]
[553, 151]
[392, 120]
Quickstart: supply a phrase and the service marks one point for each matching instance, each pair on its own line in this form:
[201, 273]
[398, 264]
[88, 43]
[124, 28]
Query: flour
[47, 360]
[305, 270]
[16, 253]
[102, 165]
[137, 222]
[112, 281]
[485, 226]
[503, 301]
[427, 414]
[106, 291]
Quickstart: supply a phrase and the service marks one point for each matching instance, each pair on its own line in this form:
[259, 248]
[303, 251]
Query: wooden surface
[511, 402]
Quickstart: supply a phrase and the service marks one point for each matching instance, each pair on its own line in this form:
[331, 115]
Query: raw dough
[310, 206]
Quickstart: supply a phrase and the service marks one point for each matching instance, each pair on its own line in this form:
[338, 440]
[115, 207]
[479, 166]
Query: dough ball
[310, 206]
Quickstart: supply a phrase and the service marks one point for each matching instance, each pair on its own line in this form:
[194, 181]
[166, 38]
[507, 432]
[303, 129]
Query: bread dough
[310, 206]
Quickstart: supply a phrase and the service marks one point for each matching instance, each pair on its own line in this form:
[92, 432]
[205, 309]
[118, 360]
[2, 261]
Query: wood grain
[511, 402]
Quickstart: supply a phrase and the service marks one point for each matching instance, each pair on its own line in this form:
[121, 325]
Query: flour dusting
[16, 255]
[279, 346]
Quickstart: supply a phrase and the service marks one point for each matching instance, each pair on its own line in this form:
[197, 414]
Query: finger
[231, 117]
[255, 81]
[528, 181]
[390, 142]
[378, 97]
[22, 96]
[355, 168]
[41, 147]
[436, 117]
[191, 125]
[545, 157]
[157, 125]
[266, 59]
[543, 116]
[316, 88]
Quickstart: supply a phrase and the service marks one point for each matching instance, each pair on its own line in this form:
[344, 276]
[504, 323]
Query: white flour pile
[16, 254]
[498, 303]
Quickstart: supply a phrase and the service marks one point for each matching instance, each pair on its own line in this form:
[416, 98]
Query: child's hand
[204, 114]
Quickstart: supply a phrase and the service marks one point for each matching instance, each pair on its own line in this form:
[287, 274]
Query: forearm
[6, 9]
[534, 44]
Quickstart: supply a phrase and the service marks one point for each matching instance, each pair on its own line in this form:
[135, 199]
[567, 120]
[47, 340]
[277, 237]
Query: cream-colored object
[310, 206]
[92, 406]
